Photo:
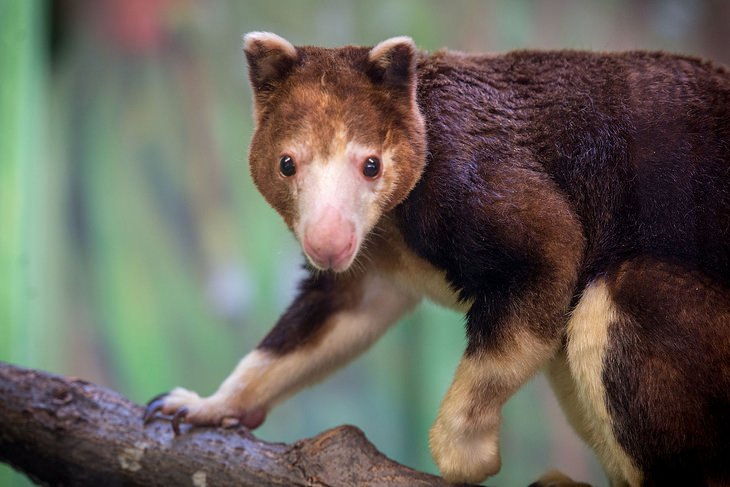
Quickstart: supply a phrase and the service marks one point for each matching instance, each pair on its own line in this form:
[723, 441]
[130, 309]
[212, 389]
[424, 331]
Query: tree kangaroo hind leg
[644, 378]
[576, 375]
[333, 319]
[667, 372]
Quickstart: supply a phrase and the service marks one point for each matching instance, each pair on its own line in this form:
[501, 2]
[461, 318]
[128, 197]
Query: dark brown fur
[672, 409]
[518, 182]
[305, 322]
[639, 144]
[545, 170]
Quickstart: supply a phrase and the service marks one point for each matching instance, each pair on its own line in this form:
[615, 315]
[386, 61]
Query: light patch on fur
[263, 378]
[561, 380]
[464, 440]
[270, 42]
[380, 54]
[349, 333]
[336, 181]
[410, 272]
[582, 383]
[423, 279]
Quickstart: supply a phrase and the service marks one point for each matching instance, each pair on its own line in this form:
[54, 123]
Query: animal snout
[330, 241]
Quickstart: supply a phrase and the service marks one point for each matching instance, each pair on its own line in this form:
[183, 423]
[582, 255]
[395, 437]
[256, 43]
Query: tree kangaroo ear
[270, 58]
[393, 63]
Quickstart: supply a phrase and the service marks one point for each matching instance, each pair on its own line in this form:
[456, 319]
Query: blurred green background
[135, 251]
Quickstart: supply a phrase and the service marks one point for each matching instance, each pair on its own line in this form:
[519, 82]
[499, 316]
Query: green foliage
[22, 336]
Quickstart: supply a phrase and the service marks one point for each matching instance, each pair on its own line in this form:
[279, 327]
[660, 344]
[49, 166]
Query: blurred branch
[65, 431]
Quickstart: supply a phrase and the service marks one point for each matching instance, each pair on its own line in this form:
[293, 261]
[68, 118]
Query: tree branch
[65, 431]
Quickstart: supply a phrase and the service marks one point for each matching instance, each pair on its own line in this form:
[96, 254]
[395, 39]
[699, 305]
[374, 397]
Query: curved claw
[179, 416]
[159, 396]
[155, 405]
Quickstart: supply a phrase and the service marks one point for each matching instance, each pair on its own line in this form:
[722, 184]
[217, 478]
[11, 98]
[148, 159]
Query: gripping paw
[183, 406]
[465, 452]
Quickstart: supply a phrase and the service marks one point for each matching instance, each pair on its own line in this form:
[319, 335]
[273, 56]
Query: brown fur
[314, 312]
[673, 407]
[576, 207]
[326, 93]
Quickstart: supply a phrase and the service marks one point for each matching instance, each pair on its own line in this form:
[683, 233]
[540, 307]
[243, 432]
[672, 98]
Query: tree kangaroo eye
[371, 168]
[287, 166]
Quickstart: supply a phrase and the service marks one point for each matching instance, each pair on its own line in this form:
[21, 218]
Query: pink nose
[330, 240]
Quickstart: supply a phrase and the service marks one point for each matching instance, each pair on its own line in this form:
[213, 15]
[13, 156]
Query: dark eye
[371, 168]
[287, 166]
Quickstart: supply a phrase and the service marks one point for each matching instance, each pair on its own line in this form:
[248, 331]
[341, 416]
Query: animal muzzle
[330, 242]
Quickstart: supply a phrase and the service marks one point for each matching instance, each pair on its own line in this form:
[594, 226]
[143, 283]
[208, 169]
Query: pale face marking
[337, 205]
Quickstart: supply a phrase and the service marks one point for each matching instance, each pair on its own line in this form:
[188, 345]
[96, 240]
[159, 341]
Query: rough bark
[65, 431]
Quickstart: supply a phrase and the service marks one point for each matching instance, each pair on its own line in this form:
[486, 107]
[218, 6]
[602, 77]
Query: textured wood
[65, 431]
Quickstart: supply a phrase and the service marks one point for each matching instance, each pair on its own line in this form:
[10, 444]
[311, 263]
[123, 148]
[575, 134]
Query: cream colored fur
[464, 440]
[576, 378]
[414, 274]
[361, 200]
[380, 53]
[270, 41]
[465, 443]
[263, 379]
